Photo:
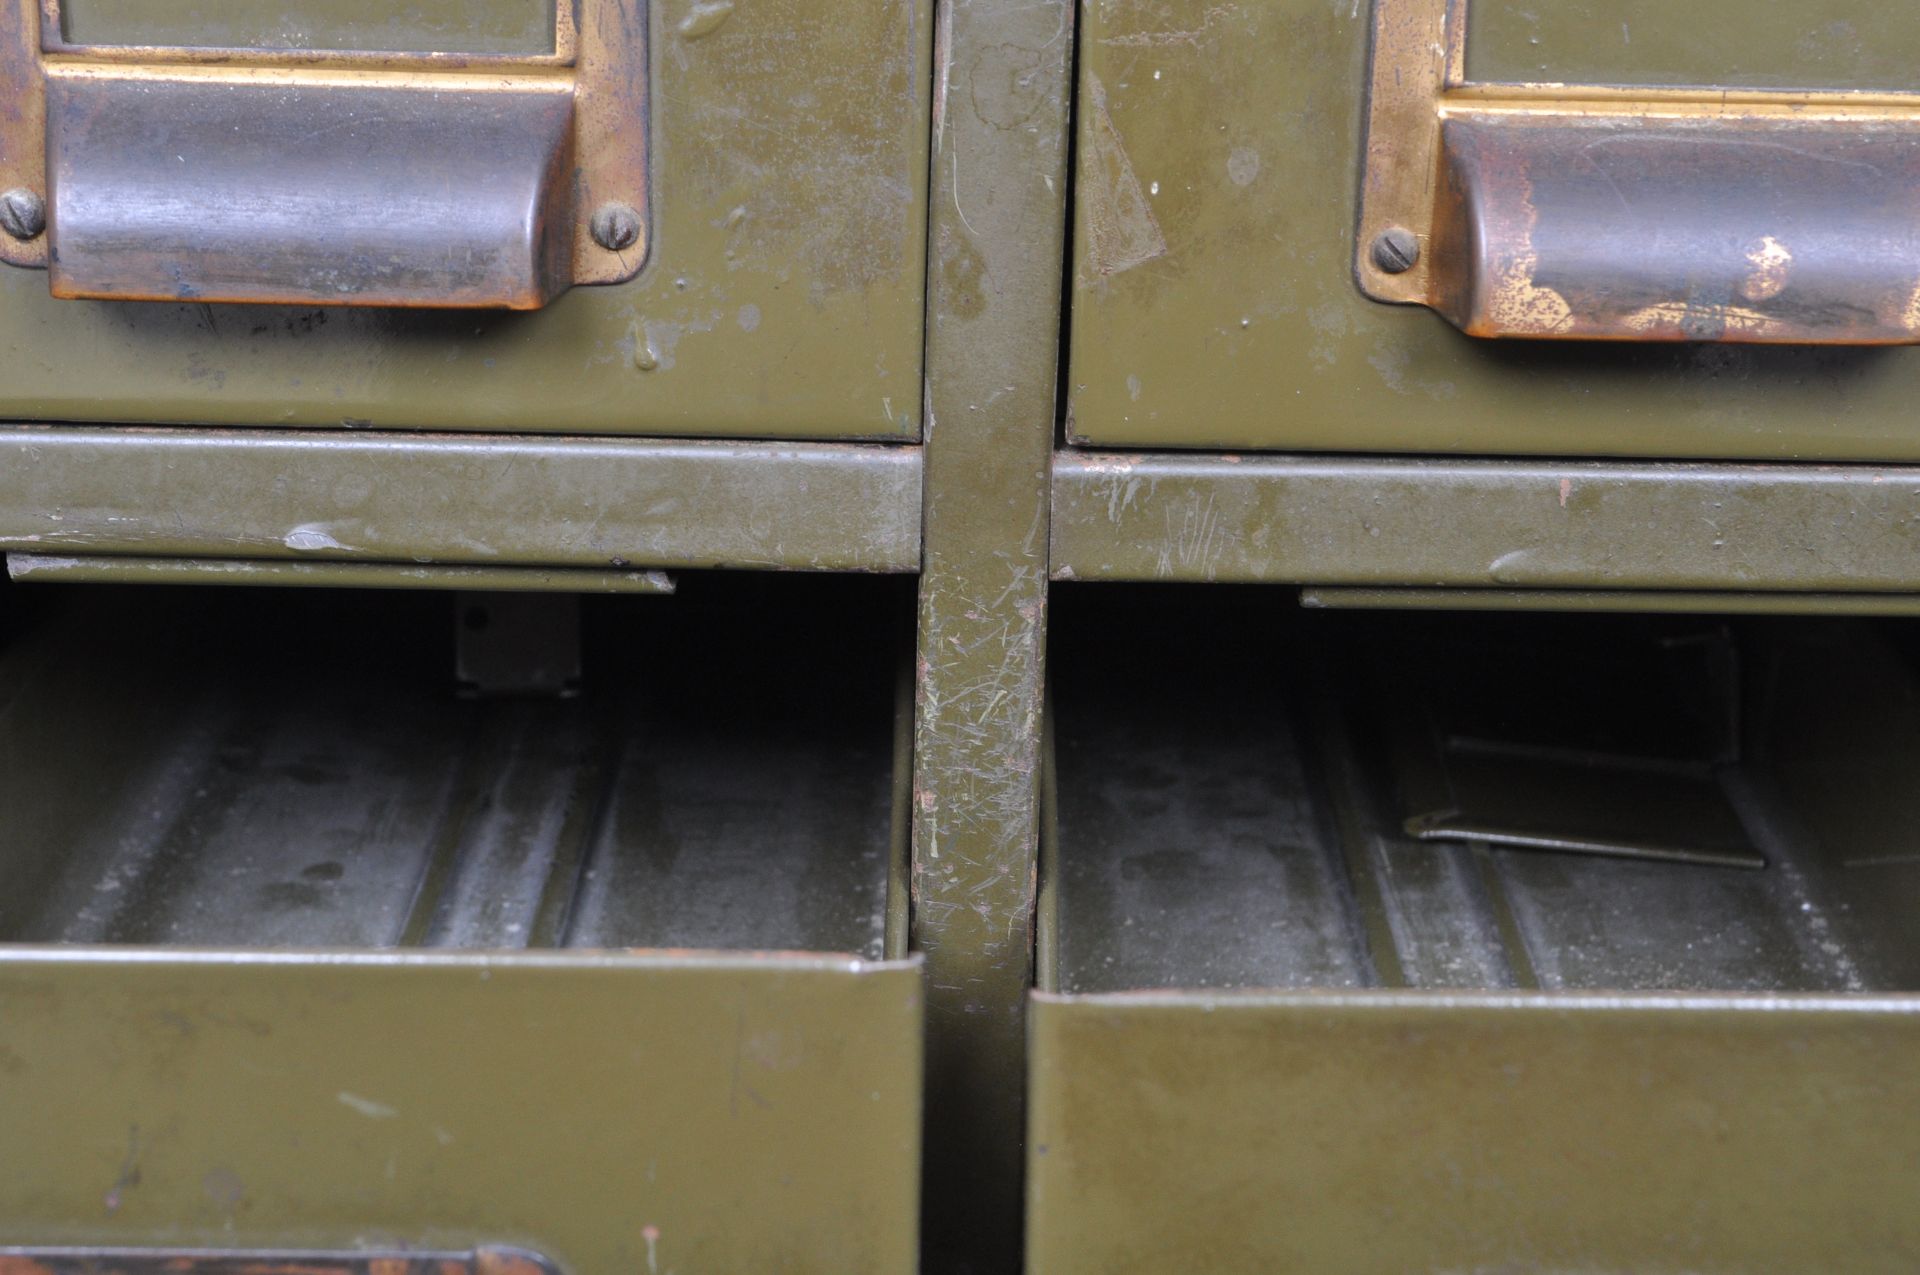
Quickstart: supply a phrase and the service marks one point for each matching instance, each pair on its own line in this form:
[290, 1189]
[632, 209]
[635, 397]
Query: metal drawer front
[1223, 258]
[1424, 940]
[781, 220]
[607, 1111]
[317, 940]
[323, 176]
[1370, 1132]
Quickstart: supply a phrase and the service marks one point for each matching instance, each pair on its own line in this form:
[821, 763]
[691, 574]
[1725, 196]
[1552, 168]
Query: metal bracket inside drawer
[344, 178]
[1631, 214]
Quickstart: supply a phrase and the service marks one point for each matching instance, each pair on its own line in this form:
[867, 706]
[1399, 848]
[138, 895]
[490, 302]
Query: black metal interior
[249, 767]
[1242, 790]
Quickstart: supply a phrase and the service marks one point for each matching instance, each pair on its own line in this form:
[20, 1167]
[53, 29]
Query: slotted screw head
[23, 214]
[1396, 249]
[616, 227]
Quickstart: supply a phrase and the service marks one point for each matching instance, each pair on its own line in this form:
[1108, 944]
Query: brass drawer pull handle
[385, 179]
[1627, 214]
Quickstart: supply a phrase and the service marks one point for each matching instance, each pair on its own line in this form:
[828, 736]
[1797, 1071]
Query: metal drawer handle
[375, 179]
[1625, 214]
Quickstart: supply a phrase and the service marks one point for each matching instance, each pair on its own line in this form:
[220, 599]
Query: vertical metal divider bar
[996, 253]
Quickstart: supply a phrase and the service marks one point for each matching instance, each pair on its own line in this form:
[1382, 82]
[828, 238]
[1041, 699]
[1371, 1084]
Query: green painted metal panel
[1485, 524]
[1375, 1131]
[783, 296]
[616, 1112]
[415, 26]
[1214, 303]
[363, 497]
[1811, 44]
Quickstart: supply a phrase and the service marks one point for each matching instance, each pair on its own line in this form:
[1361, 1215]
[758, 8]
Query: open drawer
[310, 953]
[1476, 942]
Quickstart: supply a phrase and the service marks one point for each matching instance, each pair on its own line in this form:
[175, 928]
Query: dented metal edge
[456, 500]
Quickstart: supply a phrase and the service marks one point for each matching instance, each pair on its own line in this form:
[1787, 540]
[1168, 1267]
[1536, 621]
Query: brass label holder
[347, 178]
[1630, 214]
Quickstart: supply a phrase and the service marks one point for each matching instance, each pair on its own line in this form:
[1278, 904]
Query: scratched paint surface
[1214, 303]
[1000, 145]
[783, 296]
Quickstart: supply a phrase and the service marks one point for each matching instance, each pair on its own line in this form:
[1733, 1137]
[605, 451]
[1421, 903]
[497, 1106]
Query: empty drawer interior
[1244, 794]
[307, 768]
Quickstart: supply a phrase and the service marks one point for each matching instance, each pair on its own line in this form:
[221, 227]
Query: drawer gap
[1255, 797]
[282, 768]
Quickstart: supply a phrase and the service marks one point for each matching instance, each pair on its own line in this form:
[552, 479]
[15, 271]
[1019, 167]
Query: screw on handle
[23, 214]
[1396, 250]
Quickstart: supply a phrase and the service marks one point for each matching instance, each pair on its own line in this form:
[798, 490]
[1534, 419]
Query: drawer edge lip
[1444, 1002]
[1508, 524]
[19, 956]
[461, 499]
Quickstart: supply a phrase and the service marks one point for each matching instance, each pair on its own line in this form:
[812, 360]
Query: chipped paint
[1192, 37]
[704, 17]
[1772, 262]
[1121, 230]
[1515, 305]
[366, 1106]
[311, 538]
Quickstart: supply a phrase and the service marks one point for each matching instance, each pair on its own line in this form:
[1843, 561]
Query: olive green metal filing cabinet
[1518, 879]
[326, 945]
[312, 960]
[1399, 758]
